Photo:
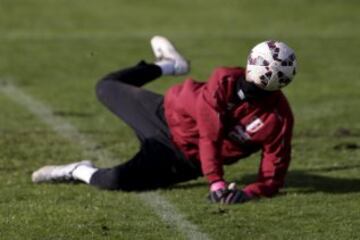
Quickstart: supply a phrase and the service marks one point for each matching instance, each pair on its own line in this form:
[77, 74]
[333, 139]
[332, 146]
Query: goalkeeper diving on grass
[197, 127]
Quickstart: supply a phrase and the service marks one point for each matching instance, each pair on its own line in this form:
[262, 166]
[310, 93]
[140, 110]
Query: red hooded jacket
[210, 124]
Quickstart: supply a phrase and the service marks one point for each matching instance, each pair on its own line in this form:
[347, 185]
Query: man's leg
[120, 92]
[136, 76]
[156, 165]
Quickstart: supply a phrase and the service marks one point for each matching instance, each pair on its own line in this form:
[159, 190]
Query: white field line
[163, 208]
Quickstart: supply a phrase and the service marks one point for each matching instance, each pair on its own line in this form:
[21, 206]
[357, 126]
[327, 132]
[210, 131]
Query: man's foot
[60, 173]
[167, 55]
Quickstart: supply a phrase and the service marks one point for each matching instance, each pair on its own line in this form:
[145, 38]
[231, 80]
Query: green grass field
[55, 50]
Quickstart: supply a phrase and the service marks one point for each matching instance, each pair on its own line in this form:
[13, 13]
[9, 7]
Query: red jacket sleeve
[210, 105]
[210, 110]
[276, 155]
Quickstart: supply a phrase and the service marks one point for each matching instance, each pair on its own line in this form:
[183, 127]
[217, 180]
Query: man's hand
[227, 195]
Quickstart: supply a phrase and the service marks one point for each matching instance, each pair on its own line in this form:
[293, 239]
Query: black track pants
[158, 163]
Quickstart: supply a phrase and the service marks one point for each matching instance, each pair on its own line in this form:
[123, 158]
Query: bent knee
[100, 89]
[104, 88]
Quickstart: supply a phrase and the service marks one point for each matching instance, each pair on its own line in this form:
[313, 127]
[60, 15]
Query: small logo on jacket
[254, 126]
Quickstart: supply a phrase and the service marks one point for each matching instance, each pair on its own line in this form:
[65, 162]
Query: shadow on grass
[310, 181]
[305, 181]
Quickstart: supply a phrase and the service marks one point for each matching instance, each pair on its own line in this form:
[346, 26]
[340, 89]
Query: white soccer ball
[271, 65]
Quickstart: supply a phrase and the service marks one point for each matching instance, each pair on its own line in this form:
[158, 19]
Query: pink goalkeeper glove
[221, 193]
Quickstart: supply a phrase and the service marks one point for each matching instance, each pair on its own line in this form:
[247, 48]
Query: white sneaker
[59, 173]
[165, 51]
